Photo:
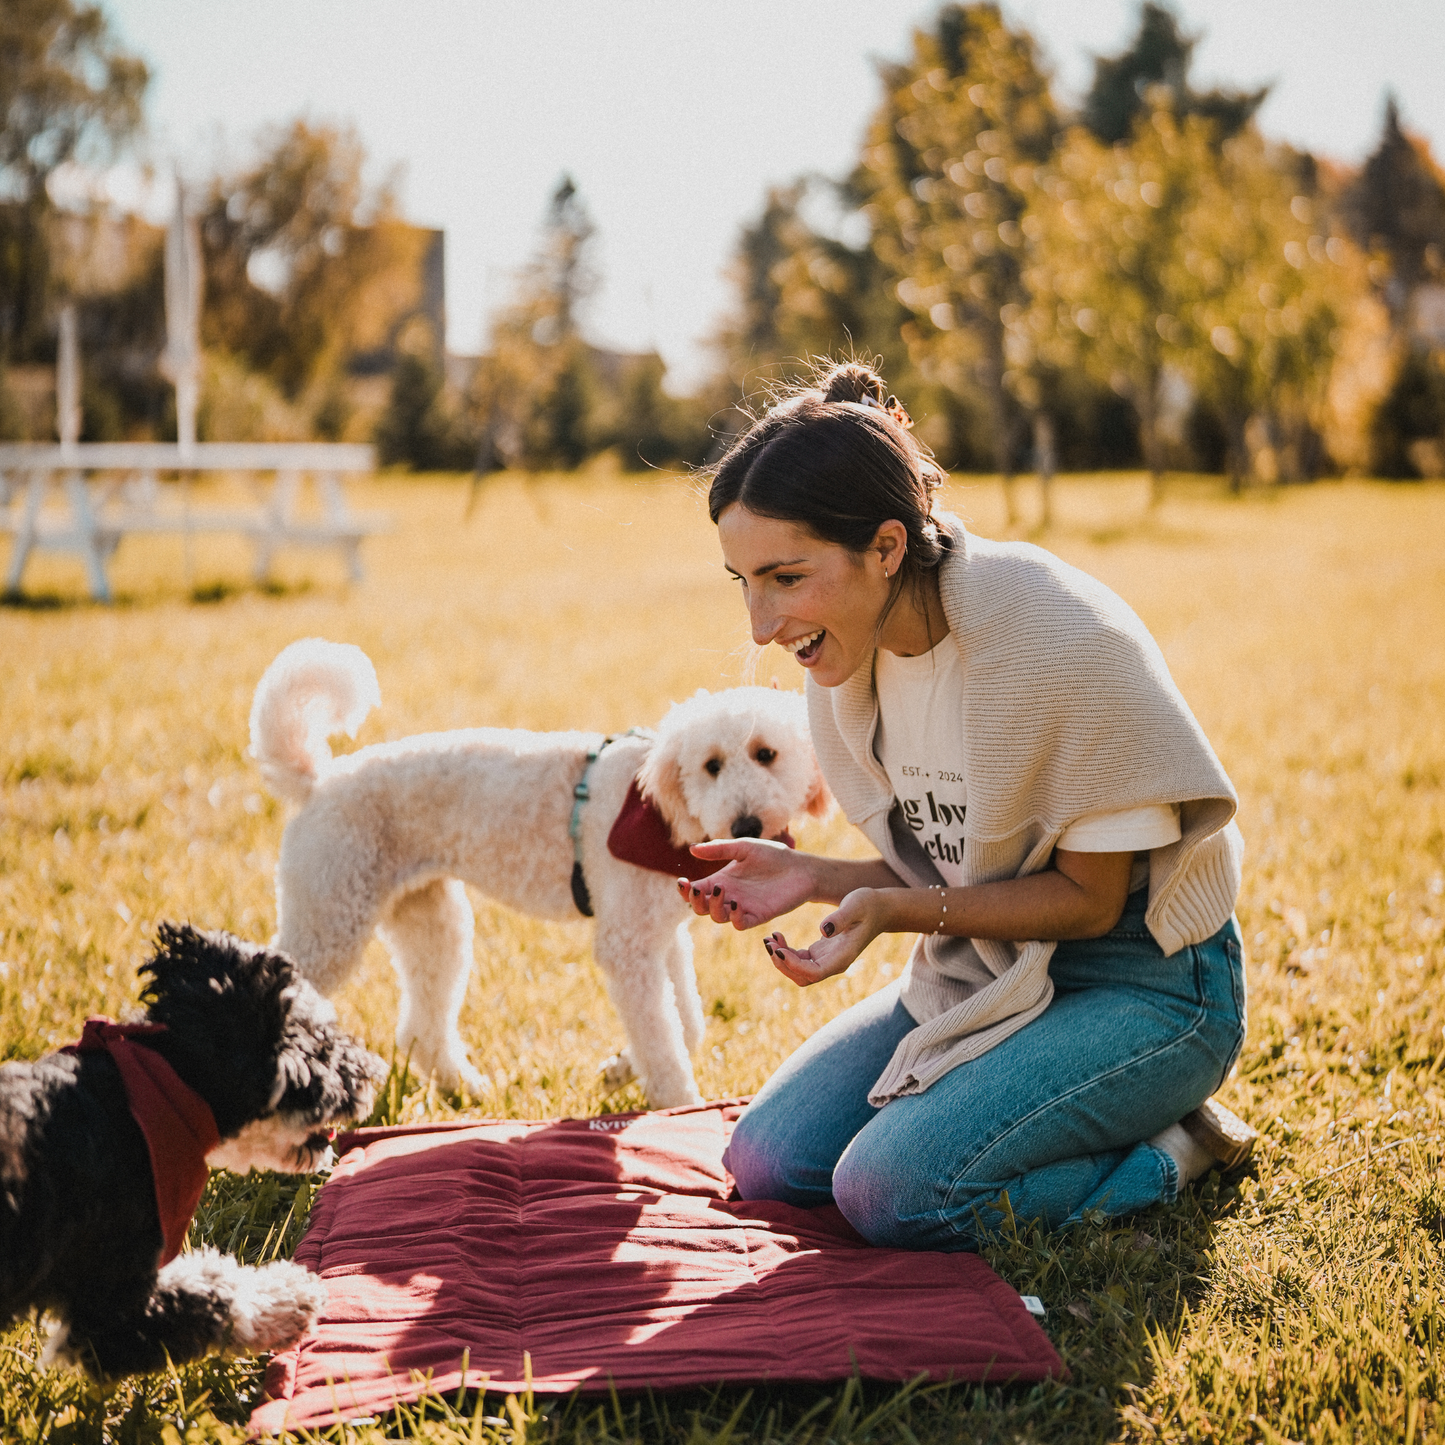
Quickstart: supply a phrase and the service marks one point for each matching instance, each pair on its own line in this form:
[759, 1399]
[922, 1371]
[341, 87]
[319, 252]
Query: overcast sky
[674, 116]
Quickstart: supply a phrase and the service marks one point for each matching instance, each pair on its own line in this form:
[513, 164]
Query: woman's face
[815, 599]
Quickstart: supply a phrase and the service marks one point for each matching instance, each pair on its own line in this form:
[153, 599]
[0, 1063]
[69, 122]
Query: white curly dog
[388, 835]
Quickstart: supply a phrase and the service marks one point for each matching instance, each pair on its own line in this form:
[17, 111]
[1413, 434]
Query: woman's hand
[846, 932]
[761, 881]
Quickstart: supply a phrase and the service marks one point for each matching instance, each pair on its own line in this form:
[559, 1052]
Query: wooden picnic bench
[84, 497]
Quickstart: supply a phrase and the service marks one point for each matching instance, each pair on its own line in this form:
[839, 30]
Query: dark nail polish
[827, 930]
[716, 891]
[733, 904]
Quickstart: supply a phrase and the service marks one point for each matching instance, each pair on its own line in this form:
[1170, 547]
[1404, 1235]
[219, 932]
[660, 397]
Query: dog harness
[580, 794]
[178, 1125]
[639, 835]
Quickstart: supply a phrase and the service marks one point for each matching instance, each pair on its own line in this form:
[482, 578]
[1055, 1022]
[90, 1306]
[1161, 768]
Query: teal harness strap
[580, 794]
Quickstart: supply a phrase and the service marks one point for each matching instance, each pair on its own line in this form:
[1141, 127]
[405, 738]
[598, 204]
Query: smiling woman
[1049, 818]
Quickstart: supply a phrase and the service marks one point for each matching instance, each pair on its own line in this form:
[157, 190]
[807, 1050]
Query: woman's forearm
[833, 879]
[1048, 905]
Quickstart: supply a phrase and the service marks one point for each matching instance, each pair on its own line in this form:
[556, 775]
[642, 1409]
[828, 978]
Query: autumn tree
[68, 92]
[949, 160]
[304, 267]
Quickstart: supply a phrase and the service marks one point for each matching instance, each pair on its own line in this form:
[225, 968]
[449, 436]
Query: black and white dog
[104, 1149]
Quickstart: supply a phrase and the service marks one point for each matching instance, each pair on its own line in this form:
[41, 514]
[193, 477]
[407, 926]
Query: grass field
[1301, 1300]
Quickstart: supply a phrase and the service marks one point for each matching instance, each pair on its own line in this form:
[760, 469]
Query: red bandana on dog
[177, 1123]
[640, 835]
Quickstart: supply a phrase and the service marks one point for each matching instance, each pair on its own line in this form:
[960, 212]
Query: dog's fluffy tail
[313, 689]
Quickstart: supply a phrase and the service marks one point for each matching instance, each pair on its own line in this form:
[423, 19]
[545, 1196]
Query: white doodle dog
[388, 835]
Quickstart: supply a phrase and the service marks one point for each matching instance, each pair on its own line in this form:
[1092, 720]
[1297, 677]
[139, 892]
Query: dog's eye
[766, 755]
[713, 767]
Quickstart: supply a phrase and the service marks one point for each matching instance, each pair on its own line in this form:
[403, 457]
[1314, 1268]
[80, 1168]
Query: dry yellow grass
[1305, 627]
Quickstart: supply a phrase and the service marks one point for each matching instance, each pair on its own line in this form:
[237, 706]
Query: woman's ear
[891, 542]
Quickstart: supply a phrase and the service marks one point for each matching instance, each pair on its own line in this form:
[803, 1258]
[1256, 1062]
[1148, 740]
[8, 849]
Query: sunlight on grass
[1301, 1300]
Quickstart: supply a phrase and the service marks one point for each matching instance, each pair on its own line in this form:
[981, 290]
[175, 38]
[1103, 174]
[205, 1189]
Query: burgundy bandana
[640, 836]
[177, 1123]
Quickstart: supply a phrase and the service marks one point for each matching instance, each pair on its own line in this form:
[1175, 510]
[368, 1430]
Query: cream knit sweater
[1069, 710]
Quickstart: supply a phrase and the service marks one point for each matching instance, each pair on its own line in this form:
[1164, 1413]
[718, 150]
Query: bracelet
[943, 903]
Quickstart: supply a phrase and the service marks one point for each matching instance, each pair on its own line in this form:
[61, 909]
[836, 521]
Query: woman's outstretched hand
[846, 932]
[759, 882]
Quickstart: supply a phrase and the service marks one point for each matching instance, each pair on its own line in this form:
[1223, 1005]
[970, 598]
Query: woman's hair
[837, 458]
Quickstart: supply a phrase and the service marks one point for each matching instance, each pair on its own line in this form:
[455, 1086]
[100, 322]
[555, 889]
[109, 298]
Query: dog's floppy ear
[819, 802]
[660, 781]
[321, 1072]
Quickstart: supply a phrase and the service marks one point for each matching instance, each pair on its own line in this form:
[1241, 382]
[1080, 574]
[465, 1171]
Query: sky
[675, 116]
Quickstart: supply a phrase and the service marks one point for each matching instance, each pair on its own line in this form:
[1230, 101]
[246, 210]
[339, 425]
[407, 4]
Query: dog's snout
[747, 826]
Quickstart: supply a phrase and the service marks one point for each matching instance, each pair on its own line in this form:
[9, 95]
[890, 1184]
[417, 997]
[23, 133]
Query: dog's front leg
[202, 1302]
[684, 987]
[635, 967]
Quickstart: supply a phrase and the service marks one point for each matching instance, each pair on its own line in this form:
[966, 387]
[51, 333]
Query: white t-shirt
[920, 745]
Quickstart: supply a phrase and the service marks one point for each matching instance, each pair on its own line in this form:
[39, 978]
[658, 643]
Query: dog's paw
[456, 1076]
[273, 1306]
[60, 1352]
[262, 1307]
[617, 1072]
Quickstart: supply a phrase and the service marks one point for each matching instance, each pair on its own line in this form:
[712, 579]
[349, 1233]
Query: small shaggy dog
[388, 835]
[104, 1149]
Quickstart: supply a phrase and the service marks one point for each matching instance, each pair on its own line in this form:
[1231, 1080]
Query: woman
[1049, 818]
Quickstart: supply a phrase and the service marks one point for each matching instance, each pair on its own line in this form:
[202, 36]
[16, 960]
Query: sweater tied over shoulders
[1069, 709]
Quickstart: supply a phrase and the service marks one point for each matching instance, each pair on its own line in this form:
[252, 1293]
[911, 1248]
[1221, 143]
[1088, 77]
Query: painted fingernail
[827, 930]
[768, 944]
[733, 904]
[716, 891]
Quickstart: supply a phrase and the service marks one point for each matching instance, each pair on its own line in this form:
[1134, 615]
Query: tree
[418, 429]
[68, 92]
[1107, 265]
[949, 159]
[804, 293]
[1272, 290]
[534, 391]
[334, 259]
[1396, 212]
[1159, 55]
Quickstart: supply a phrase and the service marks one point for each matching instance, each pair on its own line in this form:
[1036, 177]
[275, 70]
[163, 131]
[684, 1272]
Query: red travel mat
[607, 1250]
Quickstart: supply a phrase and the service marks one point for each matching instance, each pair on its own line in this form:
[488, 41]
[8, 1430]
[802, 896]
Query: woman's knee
[887, 1195]
[768, 1160]
[751, 1158]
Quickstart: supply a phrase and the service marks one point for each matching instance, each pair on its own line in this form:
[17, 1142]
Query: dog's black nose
[748, 827]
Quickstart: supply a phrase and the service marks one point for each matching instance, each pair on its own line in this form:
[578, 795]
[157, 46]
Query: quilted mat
[607, 1249]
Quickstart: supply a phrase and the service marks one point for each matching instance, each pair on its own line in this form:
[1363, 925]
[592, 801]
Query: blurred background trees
[1148, 280]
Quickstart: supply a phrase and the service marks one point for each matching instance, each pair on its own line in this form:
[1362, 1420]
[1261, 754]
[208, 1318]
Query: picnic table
[84, 497]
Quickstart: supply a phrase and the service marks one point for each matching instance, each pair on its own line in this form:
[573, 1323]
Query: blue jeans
[1053, 1116]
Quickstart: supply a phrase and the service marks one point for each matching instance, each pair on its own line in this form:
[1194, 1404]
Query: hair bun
[852, 381]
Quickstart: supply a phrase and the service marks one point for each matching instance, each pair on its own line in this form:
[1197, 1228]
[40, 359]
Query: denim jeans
[1053, 1116]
